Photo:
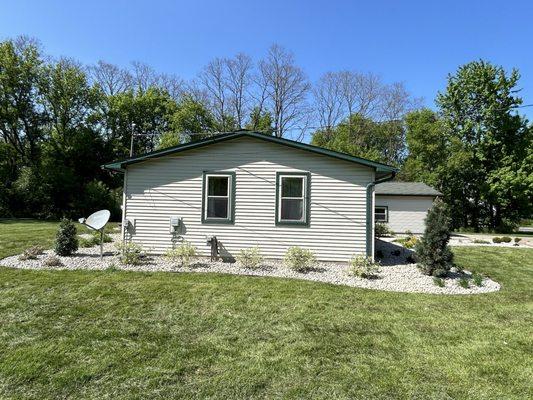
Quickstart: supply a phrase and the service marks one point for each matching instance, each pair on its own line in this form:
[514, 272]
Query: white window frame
[386, 212]
[305, 182]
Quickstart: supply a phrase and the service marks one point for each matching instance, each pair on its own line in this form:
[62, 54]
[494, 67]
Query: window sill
[292, 223]
[217, 222]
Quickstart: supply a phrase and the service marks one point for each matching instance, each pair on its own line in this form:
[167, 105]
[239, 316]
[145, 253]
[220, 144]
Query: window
[381, 214]
[218, 197]
[292, 198]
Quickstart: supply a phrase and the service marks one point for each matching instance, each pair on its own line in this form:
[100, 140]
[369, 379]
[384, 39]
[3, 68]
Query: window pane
[218, 186]
[292, 209]
[292, 187]
[380, 217]
[217, 208]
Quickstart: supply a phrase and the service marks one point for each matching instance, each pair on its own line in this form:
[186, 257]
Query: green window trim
[307, 198]
[231, 214]
[386, 220]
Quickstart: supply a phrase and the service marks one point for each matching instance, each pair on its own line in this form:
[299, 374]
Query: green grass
[115, 334]
[17, 235]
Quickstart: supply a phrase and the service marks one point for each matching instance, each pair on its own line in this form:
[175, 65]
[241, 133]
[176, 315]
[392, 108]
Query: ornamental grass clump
[182, 254]
[31, 253]
[299, 259]
[250, 258]
[66, 239]
[363, 267]
[433, 255]
[130, 253]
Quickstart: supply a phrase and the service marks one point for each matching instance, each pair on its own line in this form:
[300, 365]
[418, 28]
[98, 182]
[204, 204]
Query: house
[249, 189]
[403, 205]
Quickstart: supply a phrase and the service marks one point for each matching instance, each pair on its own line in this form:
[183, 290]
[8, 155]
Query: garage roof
[406, 189]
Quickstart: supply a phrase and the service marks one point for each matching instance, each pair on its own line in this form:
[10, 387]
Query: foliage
[31, 253]
[363, 267]
[439, 282]
[506, 239]
[517, 239]
[463, 282]
[250, 258]
[477, 278]
[433, 254]
[299, 259]
[497, 239]
[382, 230]
[182, 254]
[66, 239]
[408, 242]
[130, 253]
[52, 261]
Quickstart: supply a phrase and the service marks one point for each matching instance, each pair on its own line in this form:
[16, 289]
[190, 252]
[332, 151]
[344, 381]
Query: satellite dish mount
[97, 221]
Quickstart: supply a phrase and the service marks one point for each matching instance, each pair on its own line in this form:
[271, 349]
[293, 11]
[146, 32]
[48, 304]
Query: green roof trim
[121, 165]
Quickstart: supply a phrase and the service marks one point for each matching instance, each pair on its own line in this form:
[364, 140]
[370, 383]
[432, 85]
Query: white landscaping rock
[397, 278]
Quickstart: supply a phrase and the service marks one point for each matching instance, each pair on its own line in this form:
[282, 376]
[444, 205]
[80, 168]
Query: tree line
[60, 120]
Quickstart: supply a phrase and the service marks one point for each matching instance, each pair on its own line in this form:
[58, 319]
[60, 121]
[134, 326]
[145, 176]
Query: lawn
[115, 334]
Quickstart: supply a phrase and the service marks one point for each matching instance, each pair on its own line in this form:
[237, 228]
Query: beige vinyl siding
[406, 213]
[172, 185]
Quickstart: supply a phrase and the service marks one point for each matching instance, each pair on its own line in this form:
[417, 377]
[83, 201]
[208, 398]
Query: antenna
[97, 221]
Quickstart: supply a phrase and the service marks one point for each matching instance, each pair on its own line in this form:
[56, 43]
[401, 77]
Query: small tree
[66, 239]
[433, 254]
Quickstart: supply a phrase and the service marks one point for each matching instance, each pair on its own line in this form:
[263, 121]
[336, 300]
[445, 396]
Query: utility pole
[132, 135]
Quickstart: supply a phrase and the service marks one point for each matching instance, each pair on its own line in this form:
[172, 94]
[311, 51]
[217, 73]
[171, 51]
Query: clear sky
[416, 42]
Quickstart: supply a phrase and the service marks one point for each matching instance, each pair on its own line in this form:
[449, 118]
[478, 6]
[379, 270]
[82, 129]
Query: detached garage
[403, 205]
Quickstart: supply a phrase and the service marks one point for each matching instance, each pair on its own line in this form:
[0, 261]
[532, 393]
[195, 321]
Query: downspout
[370, 213]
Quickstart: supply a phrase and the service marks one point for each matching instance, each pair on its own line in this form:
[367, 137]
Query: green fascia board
[120, 165]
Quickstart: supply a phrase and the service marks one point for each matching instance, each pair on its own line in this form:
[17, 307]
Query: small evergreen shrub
[31, 253]
[439, 282]
[382, 229]
[363, 267]
[299, 259]
[506, 239]
[496, 239]
[52, 261]
[250, 258]
[66, 238]
[516, 240]
[182, 254]
[477, 279]
[130, 253]
[463, 282]
[433, 254]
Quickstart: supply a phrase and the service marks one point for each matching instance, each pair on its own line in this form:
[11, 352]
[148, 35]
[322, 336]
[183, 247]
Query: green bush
[182, 254]
[408, 242]
[463, 282]
[363, 267]
[477, 278]
[433, 254]
[250, 258]
[506, 239]
[497, 239]
[517, 240]
[31, 253]
[66, 238]
[52, 261]
[382, 229]
[130, 253]
[439, 282]
[84, 242]
[299, 259]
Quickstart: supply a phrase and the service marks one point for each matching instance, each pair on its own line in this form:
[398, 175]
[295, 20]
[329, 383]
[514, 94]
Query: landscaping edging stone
[396, 278]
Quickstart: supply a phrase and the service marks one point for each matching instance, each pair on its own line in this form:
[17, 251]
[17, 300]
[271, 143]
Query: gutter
[370, 213]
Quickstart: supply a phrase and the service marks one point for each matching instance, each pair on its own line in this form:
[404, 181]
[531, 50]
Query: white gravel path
[397, 278]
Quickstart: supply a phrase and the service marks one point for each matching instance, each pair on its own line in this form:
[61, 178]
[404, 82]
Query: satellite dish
[98, 219]
[97, 222]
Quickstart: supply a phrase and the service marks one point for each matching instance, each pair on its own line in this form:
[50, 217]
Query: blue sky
[416, 42]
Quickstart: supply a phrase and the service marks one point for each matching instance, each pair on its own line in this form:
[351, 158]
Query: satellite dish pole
[97, 221]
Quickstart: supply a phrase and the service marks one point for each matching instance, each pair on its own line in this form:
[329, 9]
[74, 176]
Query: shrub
[463, 282]
[182, 254]
[130, 253]
[497, 239]
[363, 267]
[477, 278]
[299, 259]
[96, 237]
[250, 258]
[506, 239]
[516, 240]
[84, 242]
[439, 282]
[382, 229]
[481, 241]
[66, 239]
[52, 261]
[433, 254]
[31, 253]
[408, 242]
